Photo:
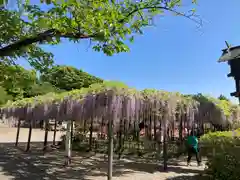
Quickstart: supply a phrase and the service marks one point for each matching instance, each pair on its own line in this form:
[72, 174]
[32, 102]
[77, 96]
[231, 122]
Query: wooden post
[159, 119]
[165, 145]
[29, 135]
[68, 143]
[91, 135]
[120, 140]
[57, 118]
[18, 132]
[46, 135]
[91, 125]
[110, 149]
[112, 116]
[159, 140]
[55, 131]
[72, 135]
[181, 128]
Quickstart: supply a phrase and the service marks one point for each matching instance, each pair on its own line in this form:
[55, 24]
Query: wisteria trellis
[124, 107]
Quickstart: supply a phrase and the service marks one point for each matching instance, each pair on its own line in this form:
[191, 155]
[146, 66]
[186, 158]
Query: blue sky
[173, 56]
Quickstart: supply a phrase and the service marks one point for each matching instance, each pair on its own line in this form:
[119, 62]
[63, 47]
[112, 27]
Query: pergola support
[68, 143]
[55, 131]
[29, 135]
[110, 149]
[18, 132]
[72, 135]
[165, 143]
[112, 118]
[46, 135]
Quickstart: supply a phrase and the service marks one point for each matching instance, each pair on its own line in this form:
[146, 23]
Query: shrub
[223, 152]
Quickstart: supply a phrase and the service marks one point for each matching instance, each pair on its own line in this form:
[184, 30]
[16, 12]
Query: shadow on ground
[194, 177]
[36, 165]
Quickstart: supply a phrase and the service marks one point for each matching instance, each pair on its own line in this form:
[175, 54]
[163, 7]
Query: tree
[68, 78]
[14, 28]
[16, 80]
[4, 96]
[222, 97]
[108, 24]
[4, 3]
[20, 83]
[41, 88]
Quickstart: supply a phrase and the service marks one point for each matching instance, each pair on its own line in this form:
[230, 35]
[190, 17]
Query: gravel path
[18, 165]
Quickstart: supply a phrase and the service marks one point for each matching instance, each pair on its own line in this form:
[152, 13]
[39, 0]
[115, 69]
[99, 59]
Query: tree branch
[44, 36]
[190, 16]
[7, 50]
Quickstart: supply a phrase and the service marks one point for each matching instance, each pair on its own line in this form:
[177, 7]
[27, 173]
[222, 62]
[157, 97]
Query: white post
[68, 143]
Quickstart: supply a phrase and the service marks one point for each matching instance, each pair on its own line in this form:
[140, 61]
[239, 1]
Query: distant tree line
[17, 82]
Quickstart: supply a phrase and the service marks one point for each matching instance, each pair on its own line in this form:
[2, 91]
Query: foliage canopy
[227, 112]
[68, 78]
[17, 83]
[107, 24]
[13, 29]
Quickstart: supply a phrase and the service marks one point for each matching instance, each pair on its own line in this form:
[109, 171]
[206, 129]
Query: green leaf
[104, 22]
[131, 39]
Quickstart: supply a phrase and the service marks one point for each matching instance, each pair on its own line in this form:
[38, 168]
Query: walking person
[193, 148]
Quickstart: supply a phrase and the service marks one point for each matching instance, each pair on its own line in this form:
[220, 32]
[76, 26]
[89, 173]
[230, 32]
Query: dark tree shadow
[37, 165]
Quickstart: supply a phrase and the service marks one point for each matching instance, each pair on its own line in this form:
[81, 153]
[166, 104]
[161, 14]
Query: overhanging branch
[44, 36]
[7, 50]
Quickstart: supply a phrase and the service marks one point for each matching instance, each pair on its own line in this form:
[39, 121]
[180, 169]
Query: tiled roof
[230, 54]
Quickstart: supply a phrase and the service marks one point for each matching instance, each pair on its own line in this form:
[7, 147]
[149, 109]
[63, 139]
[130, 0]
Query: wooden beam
[230, 75]
[235, 94]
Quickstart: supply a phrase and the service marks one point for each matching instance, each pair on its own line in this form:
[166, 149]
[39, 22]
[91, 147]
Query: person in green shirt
[193, 149]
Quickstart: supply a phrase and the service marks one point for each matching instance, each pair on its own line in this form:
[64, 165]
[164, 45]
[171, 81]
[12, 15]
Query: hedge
[223, 154]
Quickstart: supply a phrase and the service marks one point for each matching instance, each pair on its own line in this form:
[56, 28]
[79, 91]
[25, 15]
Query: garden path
[18, 165]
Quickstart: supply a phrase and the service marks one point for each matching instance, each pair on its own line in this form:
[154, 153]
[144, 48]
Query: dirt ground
[16, 164]
[9, 135]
